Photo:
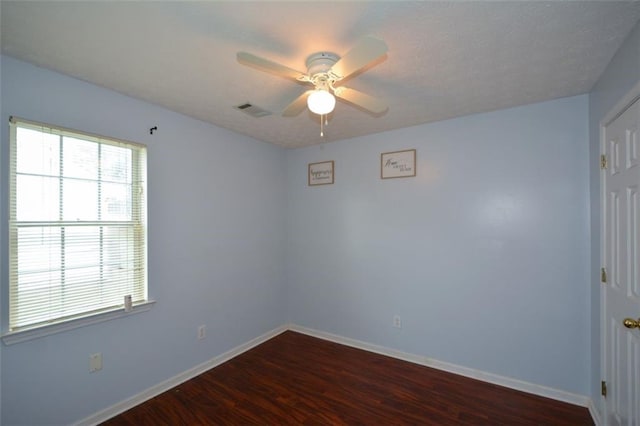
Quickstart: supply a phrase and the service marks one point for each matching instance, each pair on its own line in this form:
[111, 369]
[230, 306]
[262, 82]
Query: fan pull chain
[324, 122]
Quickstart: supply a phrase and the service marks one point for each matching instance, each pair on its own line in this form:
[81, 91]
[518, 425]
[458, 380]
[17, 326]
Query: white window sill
[35, 333]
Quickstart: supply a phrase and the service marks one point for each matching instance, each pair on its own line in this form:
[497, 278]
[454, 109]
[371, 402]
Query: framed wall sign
[398, 164]
[321, 173]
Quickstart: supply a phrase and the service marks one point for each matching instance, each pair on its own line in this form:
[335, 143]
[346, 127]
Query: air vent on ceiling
[253, 110]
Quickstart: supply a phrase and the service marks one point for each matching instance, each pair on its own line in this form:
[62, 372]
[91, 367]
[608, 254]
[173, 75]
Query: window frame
[90, 315]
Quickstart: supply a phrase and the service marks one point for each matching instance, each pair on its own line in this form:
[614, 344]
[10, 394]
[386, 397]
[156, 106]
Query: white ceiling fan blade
[266, 65]
[366, 51]
[297, 106]
[361, 99]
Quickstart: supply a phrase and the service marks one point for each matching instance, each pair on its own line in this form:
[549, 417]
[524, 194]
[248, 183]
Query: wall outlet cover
[95, 362]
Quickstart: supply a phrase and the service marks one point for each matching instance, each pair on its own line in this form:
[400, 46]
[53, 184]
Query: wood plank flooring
[295, 379]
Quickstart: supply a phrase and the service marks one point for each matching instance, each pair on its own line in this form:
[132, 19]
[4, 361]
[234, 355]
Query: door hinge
[603, 161]
[603, 388]
[603, 275]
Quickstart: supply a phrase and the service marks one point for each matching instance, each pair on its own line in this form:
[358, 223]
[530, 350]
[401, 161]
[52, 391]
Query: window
[77, 225]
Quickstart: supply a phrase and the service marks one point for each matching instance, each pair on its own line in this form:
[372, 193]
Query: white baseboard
[174, 381]
[595, 413]
[508, 382]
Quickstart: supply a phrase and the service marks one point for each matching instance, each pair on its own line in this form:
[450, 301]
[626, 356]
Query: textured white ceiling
[445, 59]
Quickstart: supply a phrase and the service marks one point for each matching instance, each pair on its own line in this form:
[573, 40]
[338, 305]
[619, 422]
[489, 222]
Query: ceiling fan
[325, 71]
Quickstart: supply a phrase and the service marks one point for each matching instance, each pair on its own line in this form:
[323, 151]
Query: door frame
[618, 109]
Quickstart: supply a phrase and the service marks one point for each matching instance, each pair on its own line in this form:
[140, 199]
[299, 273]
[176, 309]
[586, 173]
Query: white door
[621, 250]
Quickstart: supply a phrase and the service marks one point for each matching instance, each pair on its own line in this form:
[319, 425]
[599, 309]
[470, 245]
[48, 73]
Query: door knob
[631, 323]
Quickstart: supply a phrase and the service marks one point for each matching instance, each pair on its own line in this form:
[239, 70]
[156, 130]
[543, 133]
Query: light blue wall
[618, 79]
[216, 247]
[484, 255]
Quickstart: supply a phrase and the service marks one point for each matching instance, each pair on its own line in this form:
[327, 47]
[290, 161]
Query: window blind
[77, 224]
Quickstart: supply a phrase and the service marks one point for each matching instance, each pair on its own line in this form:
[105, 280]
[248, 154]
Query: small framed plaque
[321, 173]
[398, 164]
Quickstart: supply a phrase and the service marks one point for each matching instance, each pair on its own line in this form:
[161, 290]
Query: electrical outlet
[397, 321]
[202, 332]
[95, 362]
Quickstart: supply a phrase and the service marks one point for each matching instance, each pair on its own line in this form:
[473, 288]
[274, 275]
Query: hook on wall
[151, 130]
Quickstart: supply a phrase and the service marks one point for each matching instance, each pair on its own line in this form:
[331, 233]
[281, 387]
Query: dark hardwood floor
[295, 379]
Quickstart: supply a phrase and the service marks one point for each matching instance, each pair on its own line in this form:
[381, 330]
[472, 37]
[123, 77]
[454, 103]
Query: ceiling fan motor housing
[321, 62]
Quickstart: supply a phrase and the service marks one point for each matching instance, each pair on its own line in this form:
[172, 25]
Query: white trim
[603, 258]
[621, 106]
[595, 414]
[508, 382]
[174, 381]
[35, 333]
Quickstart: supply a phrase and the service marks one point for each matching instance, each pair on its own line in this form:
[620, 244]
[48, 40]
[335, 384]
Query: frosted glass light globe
[321, 102]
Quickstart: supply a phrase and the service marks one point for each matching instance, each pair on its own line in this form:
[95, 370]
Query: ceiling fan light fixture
[321, 102]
